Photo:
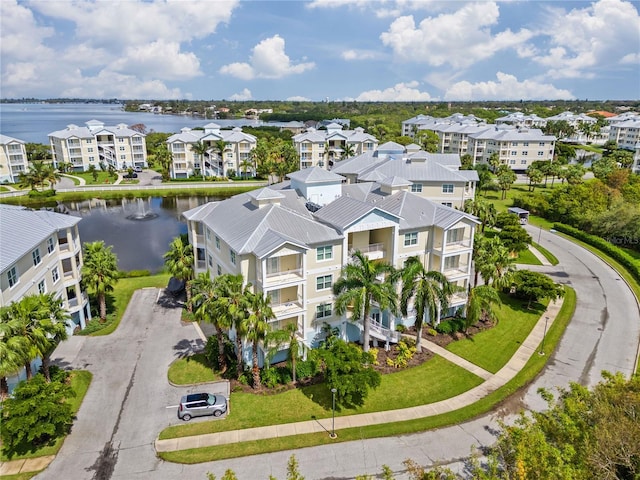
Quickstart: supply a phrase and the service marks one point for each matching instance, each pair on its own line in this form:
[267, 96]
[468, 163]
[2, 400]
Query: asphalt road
[126, 405]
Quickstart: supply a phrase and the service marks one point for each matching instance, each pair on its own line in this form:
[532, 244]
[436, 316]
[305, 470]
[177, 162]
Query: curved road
[127, 403]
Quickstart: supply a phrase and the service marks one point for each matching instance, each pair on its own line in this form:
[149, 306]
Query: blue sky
[362, 50]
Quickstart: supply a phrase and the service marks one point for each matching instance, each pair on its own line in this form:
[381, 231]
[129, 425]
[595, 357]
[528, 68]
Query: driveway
[126, 405]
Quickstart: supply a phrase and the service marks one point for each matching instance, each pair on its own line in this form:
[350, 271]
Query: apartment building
[98, 145]
[519, 119]
[625, 130]
[13, 159]
[291, 241]
[411, 127]
[228, 152]
[434, 176]
[518, 148]
[324, 148]
[40, 252]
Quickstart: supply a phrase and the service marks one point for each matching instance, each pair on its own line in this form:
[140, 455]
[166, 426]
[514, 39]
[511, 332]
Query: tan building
[234, 159]
[13, 159]
[40, 252]
[291, 241]
[99, 145]
[324, 148]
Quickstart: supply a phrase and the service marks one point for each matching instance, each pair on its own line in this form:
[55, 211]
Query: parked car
[137, 169]
[133, 175]
[201, 404]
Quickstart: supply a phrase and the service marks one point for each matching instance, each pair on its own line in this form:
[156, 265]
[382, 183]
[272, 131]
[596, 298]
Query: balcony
[456, 246]
[459, 298]
[373, 251]
[284, 276]
[286, 309]
[457, 271]
[201, 264]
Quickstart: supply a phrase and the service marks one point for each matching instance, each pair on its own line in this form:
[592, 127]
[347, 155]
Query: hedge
[626, 260]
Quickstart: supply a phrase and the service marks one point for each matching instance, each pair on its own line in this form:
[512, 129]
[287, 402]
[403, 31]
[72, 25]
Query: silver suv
[201, 404]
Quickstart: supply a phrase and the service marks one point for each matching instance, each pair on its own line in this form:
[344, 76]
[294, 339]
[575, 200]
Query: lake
[139, 230]
[33, 122]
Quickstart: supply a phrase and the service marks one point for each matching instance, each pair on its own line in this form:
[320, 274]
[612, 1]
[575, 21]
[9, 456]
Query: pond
[139, 229]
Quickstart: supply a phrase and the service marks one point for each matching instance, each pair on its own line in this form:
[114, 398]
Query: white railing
[282, 273]
[284, 308]
[466, 243]
[384, 332]
[372, 247]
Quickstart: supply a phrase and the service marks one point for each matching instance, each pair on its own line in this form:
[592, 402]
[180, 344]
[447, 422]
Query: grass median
[491, 401]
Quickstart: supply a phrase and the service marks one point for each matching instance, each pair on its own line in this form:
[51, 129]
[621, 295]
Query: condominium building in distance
[625, 130]
[13, 159]
[226, 153]
[98, 145]
[324, 148]
[40, 252]
[291, 240]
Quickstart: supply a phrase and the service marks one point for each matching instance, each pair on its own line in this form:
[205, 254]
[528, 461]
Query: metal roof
[315, 175]
[22, 229]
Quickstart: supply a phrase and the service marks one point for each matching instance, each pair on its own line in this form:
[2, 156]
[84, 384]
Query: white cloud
[507, 87]
[268, 60]
[298, 99]
[350, 55]
[114, 85]
[401, 92]
[242, 96]
[381, 8]
[162, 60]
[602, 36]
[459, 39]
[22, 37]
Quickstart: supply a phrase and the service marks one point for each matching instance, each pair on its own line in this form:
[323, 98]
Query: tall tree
[430, 291]
[358, 287]
[51, 175]
[201, 150]
[506, 178]
[480, 303]
[205, 308]
[289, 337]
[257, 329]
[29, 312]
[179, 261]
[495, 263]
[494, 161]
[53, 322]
[13, 348]
[232, 304]
[165, 159]
[99, 272]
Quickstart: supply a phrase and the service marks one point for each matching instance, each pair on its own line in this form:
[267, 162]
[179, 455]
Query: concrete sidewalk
[529, 347]
[539, 256]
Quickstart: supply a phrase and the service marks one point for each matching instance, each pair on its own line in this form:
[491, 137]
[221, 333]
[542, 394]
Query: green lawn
[80, 380]
[524, 377]
[438, 380]
[492, 349]
[101, 178]
[191, 370]
[551, 258]
[517, 190]
[119, 299]
[526, 257]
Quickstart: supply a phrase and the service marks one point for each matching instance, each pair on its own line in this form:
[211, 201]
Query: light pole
[539, 234]
[333, 415]
[546, 320]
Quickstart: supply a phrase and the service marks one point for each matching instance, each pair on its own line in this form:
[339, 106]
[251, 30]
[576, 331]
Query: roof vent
[312, 207]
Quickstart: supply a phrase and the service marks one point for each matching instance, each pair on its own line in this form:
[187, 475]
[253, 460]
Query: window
[416, 187]
[208, 233]
[12, 276]
[123, 157]
[525, 153]
[121, 140]
[55, 274]
[219, 270]
[273, 265]
[51, 246]
[514, 144]
[447, 204]
[42, 287]
[526, 144]
[410, 239]
[232, 256]
[36, 257]
[323, 310]
[513, 153]
[541, 154]
[324, 253]
[90, 150]
[447, 188]
[451, 262]
[210, 261]
[541, 144]
[512, 161]
[455, 235]
[91, 159]
[217, 242]
[523, 162]
[323, 282]
[122, 149]
[89, 140]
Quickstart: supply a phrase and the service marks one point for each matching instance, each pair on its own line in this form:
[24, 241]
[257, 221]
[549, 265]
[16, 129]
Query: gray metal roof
[315, 175]
[95, 128]
[430, 170]
[265, 194]
[5, 139]
[344, 211]
[22, 229]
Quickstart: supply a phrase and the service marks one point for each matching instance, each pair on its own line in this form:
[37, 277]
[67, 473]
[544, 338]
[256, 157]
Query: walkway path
[539, 256]
[529, 347]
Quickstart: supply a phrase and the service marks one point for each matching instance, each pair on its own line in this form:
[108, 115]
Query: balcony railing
[286, 308]
[461, 269]
[459, 245]
[284, 275]
[379, 331]
[373, 251]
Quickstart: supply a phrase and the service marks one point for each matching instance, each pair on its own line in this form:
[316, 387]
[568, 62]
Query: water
[140, 229]
[33, 122]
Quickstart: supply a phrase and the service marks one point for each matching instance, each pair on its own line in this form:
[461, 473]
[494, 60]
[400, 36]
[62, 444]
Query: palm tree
[480, 304]
[289, 337]
[494, 161]
[359, 286]
[430, 291]
[28, 312]
[232, 303]
[165, 159]
[497, 264]
[13, 348]
[179, 261]
[100, 272]
[201, 150]
[51, 175]
[220, 146]
[54, 324]
[205, 296]
[348, 151]
[257, 328]
[246, 164]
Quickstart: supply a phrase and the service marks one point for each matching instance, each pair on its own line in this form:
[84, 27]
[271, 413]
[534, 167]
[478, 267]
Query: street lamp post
[539, 234]
[333, 415]
[546, 320]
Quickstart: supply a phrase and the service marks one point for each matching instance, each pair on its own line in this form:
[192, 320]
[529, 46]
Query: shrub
[284, 375]
[401, 328]
[211, 353]
[136, 273]
[505, 218]
[269, 377]
[450, 326]
[42, 194]
[406, 350]
[306, 369]
[374, 353]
